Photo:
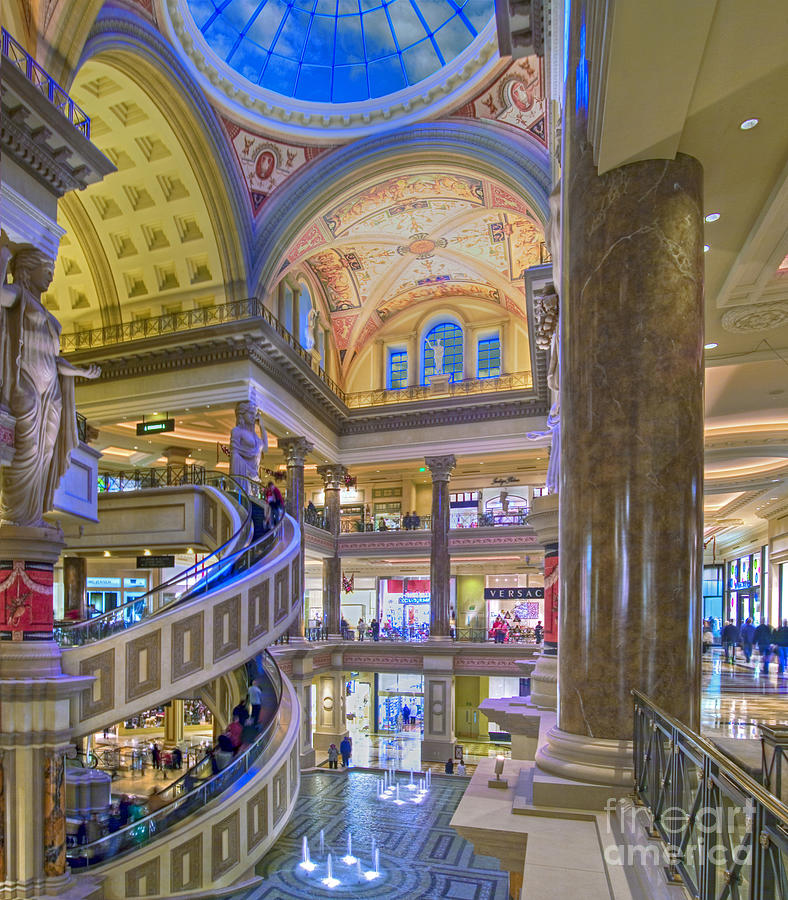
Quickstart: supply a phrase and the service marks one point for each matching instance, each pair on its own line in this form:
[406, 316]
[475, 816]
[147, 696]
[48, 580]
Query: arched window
[447, 339]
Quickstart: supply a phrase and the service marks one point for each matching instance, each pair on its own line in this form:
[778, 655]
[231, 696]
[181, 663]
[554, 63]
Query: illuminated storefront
[744, 580]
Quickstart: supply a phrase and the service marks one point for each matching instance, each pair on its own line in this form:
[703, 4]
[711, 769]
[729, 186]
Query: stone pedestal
[437, 744]
[333, 480]
[631, 365]
[296, 450]
[27, 559]
[330, 724]
[440, 561]
[544, 681]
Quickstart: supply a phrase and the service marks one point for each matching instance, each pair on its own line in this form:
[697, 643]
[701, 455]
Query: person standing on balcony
[415, 521]
[539, 632]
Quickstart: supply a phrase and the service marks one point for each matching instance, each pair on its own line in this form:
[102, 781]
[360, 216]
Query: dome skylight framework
[339, 51]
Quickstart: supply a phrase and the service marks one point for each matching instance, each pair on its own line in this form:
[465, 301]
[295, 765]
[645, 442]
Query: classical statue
[311, 328]
[437, 349]
[36, 387]
[246, 446]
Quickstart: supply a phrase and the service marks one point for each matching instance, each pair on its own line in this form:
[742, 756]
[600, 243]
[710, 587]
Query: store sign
[106, 583]
[518, 593]
[135, 582]
[409, 599]
[157, 427]
[155, 562]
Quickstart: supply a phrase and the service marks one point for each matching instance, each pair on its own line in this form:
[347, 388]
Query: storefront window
[405, 609]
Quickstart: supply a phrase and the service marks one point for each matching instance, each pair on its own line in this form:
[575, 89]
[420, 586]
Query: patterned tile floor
[421, 857]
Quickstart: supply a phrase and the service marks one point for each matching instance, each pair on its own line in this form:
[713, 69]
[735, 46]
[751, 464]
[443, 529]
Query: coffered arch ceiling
[424, 234]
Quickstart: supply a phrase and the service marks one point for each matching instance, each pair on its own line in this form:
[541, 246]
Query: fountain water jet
[322, 842]
[329, 880]
[397, 800]
[306, 862]
[349, 859]
[374, 873]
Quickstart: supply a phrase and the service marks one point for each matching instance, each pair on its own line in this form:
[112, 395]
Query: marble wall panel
[227, 627]
[99, 697]
[186, 865]
[187, 646]
[209, 513]
[225, 844]
[258, 610]
[143, 665]
[144, 880]
[281, 595]
[257, 819]
[280, 793]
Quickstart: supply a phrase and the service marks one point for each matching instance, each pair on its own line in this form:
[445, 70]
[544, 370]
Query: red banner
[26, 599]
[551, 597]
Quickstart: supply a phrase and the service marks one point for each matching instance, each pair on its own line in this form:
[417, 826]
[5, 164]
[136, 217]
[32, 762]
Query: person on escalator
[273, 497]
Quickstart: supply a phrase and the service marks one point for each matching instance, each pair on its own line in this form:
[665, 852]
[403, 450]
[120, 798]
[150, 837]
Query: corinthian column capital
[295, 450]
[333, 476]
[441, 466]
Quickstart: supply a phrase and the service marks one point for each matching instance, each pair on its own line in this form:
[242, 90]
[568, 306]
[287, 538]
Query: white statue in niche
[312, 321]
[437, 350]
[36, 387]
[246, 445]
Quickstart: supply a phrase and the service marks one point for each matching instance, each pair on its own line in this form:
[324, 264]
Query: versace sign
[518, 593]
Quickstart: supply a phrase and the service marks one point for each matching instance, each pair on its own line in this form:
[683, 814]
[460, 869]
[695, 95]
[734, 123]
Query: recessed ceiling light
[712, 217]
[711, 345]
[747, 124]
[706, 248]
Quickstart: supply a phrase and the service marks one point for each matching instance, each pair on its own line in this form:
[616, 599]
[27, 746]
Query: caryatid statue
[37, 389]
[246, 445]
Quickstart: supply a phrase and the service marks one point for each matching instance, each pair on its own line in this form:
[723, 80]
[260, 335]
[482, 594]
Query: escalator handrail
[240, 764]
[65, 632]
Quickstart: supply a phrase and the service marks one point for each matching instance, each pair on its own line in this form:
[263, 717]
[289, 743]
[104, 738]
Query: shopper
[449, 767]
[333, 756]
[415, 521]
[708, 635]
[346, 749]
[374, 629]
[405, 714]
[730, 637]
[155, 755]
[223, 754]
[763, 638]
[234, 731]
[538, 631]
[781, 640]
[255, 699]
[747, 638]
[273, 497]
[407, 522]
[460, 767]
[361, 628]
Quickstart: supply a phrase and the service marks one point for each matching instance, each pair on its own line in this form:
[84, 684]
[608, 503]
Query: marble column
[173, 723]
[631, 362]
[333, 481]
[543, 519]
[437, 743]
[440, 561]
[330, 724]
[296, 450]
[75, 570]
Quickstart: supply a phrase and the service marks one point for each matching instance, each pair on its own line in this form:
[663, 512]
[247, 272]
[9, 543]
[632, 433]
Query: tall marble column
[173, 723]
[330, 724]
[544, 678]
[440, 561]
[631, 360]
[333, 480]
[437, 743]
[296, 450]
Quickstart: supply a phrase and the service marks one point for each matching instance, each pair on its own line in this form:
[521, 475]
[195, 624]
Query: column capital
[295, 449]
[333, 476]
[441, 466]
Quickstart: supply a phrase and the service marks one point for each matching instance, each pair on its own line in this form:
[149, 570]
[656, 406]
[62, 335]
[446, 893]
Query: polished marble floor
[421, 857]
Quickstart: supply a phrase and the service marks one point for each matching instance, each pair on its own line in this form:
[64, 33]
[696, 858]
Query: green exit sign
[157, 427]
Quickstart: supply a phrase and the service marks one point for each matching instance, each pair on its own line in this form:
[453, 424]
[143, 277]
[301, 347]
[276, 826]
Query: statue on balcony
[437, 350]
[246, 446]
[37, 389]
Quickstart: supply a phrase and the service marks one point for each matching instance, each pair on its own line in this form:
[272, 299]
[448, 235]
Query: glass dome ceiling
[339, 51]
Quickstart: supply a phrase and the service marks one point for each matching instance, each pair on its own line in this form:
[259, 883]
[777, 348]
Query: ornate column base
[544, 682]
[590, 761]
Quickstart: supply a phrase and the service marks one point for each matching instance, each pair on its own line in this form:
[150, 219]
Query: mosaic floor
[421, 857]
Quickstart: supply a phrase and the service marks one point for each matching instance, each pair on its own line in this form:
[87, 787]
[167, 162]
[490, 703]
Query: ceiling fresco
[414, 238]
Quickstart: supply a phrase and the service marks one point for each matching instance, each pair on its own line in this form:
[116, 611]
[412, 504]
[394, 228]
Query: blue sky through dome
[339, 51]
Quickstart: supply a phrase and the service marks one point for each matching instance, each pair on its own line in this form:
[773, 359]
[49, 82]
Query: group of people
[345, 750]
[411, 521]
[451, 766]
[506, 629]
[769, 641]
[244, 728]
[165, 759]
[363, 629]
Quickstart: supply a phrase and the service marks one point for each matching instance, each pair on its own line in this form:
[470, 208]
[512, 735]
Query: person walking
[273, 497]
[333, 756]
[155, 755]
[780, 638]
[763, 638]
[747, 638]
[255, 699]
[405, 714]
[346, 749]
[730, 637]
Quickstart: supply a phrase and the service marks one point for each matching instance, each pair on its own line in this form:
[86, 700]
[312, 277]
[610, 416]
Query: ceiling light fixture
[711, 345]
[712, 217]
[747, 124]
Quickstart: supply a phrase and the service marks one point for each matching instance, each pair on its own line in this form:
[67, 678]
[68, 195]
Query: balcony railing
[515, 381]
[141, 479]
[396, 522]
[16, 54]
[725, 837]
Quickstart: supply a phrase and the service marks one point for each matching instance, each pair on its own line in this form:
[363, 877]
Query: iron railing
[209, 571]
[725, 836]
[396, 522]
[16, 54]
[774, 752]
[189, 793]
[158, 476]
[511, 382]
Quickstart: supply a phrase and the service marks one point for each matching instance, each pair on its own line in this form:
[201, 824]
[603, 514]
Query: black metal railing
[315, 518]
[16, 54]
[155, 477]
[198, 578]
[189, 793]
[725, 836]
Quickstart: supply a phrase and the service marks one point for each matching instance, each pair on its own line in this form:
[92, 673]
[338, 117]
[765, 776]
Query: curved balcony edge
[220, 845]
[188, 645]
